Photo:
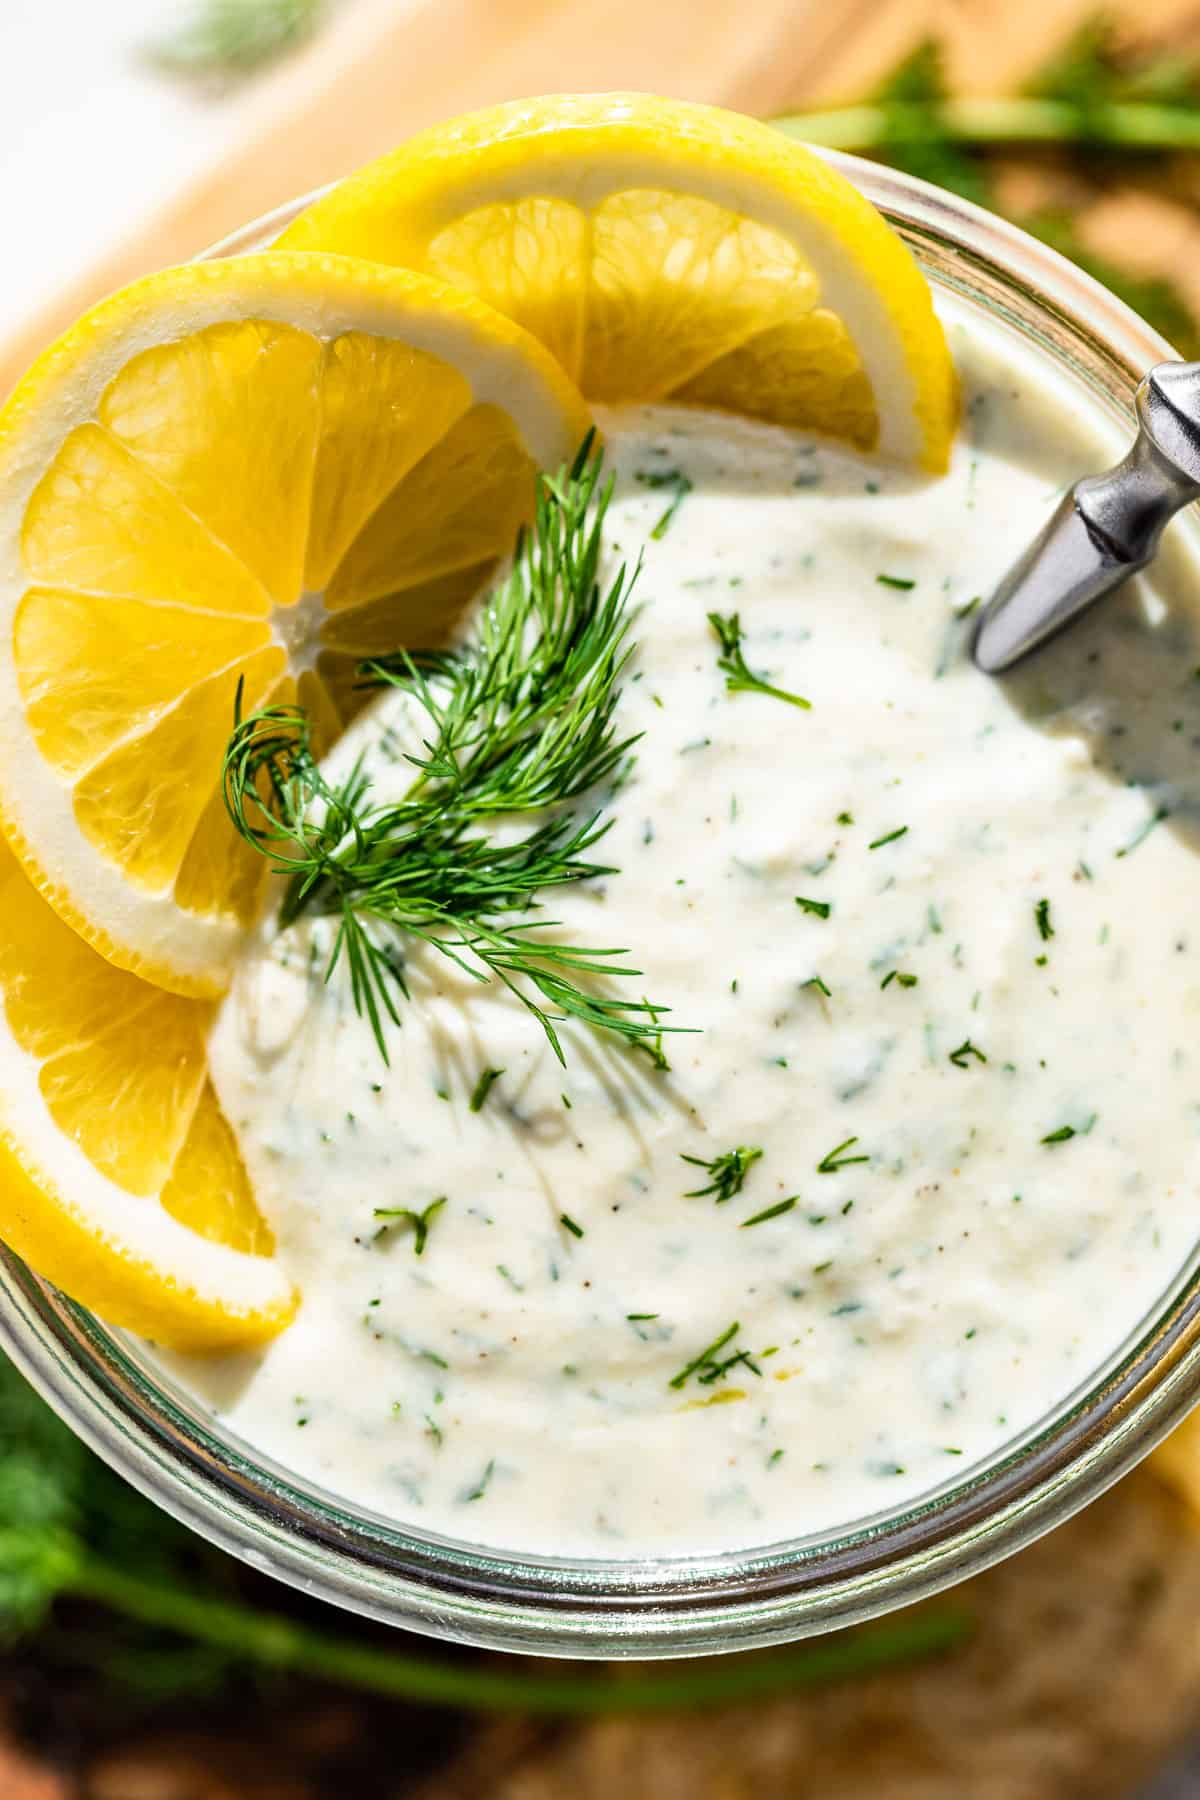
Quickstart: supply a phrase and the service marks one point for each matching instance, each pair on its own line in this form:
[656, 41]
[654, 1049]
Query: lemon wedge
[667, 252]
[120, 1179]
[255, 471]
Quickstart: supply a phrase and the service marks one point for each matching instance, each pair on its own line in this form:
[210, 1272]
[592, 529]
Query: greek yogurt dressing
[992, 1167]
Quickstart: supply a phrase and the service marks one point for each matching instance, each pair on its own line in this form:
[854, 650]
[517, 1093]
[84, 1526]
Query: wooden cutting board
[385, 68]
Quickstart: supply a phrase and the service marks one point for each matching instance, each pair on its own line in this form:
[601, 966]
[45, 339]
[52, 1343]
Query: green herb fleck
[421, 1222]
[674, 479]
[728, 1171]
[481, 1486]
[1041, 914]
[571, 1226]
[833, 1160]
[890, 838]
[896, 581]
[1139, 837]
[965, 1049]
[483, 1088]
[1060, 1136]
[706, 1367]
[820, 908]
[908, 981]
[771, 1212]
[738, 677]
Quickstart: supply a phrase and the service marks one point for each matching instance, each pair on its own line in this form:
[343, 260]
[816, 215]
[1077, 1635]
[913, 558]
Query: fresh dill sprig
[1093, 105]
[728, 1171]
[727, 629]
[421, 1222]
[966, 1048]
[236, 37]
[518, 721]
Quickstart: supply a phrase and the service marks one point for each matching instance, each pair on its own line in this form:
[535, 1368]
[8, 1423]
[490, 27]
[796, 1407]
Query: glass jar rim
[687, 1605]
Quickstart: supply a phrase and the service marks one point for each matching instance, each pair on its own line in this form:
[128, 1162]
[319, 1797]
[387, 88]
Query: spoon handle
[1105, 529]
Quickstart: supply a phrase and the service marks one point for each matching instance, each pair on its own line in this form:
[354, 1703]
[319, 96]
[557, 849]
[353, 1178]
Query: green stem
[1126, 125]
[281, 1643]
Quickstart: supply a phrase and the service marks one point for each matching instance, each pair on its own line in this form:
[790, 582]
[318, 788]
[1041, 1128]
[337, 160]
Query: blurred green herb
[1122, 115]
[237, 37]
[69, 1528]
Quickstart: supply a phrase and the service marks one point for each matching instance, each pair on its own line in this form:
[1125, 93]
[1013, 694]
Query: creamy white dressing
[1028, 1108]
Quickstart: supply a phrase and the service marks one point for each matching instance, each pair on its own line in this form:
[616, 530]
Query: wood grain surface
[388, 67]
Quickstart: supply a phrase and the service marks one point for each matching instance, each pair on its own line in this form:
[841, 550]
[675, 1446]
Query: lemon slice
[666, 251]
[120, 1179]
[256, 472]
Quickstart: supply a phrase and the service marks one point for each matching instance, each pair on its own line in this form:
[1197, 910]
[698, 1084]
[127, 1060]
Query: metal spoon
[1105, 529]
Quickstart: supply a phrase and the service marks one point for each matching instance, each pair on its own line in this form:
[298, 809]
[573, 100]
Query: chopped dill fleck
[635, 1317]
[833, 1160]
[845, 818]
[1139, 837]
[421, 1222]
[771, 1212]
[820, 908]
[896, 581]
[889, 839]
[483, 1088]
[681, 486]
[706, 1367]
[1041, 914]
[481, 1486]
[815, 981]
[1060, 1136]
[739, 679]
[575, 1230]
[908, 981]
[966, 1048]
[728, 1171]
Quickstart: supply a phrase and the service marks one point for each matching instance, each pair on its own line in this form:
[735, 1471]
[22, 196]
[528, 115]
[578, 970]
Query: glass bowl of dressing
[1084, 352]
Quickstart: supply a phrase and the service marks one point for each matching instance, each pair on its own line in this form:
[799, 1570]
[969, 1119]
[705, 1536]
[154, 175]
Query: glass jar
[102, 1384]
